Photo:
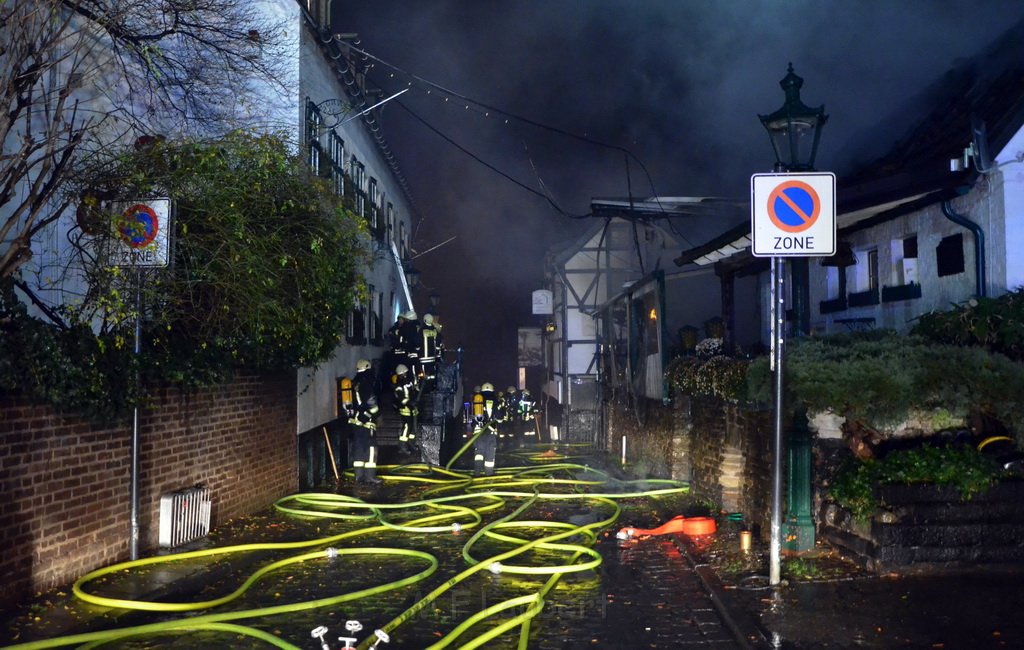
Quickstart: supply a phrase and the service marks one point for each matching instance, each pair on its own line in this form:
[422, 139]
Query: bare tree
[78, 75]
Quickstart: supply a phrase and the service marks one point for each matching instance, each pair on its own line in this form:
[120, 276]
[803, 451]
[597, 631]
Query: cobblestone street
[643, 594]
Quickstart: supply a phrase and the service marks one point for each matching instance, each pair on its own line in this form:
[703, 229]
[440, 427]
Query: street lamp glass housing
[794, 129]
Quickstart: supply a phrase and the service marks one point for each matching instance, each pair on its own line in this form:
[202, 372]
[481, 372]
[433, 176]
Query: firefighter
[406, 398]
[487, 412]
[363, 415]
[528, 416]
[507, 429]
[395, 345]
[410, 339]
[430, 349]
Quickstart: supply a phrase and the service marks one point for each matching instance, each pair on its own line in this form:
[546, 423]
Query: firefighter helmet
[362, 365]
[526, 392]
[409, 315]
[428, 319]
[510, 390]
[486, 386]
[401, 369]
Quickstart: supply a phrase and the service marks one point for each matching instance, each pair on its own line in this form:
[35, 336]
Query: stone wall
[66, 482]
[928, 526]
[724, 450]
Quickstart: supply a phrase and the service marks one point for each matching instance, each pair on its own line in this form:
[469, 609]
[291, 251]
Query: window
[903, 253]
[314, 122]
[835, 281]
[391, 222]
[356, 333]
[358, 173]
[378, 326]
[872, 269]
[338, 164]
[374, 195]
[949, 255]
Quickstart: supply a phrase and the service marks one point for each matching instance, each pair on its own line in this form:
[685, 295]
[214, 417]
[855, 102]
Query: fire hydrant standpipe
[464, 510]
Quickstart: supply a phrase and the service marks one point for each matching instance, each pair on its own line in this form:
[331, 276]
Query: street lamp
[794, 131]
[435, 301]
[795, 128]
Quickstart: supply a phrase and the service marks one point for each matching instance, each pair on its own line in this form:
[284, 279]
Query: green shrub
[995, 323]
[265, 272]
[854, 485]
[881, 378]
[718, 376]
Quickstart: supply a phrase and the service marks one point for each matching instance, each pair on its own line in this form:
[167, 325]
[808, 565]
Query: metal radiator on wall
[184, 516]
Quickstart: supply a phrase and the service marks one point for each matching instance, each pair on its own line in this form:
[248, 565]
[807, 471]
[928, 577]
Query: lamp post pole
[778, 331]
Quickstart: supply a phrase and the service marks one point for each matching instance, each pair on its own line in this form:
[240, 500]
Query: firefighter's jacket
[406, 394]
[366, 405]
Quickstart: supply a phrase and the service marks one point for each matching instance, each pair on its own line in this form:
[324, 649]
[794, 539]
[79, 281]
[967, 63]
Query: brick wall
[724, 450]
[65, 483]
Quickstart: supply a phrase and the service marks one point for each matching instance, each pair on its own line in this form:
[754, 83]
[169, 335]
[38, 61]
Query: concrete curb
[741, 624]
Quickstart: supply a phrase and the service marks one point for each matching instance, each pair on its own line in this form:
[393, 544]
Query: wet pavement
[827, 601]
[643, 594]
[670, 591]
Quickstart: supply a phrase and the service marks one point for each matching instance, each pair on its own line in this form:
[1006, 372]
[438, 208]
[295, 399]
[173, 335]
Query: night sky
[678, 83]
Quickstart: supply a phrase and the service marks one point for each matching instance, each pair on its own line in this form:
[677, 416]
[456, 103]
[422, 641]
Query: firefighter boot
[370, 476]
[478, 468]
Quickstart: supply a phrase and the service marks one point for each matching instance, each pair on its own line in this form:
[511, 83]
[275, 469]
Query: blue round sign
[794, 206]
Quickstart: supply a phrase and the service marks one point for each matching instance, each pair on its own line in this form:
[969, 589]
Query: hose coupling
[495, 568]
[332, 553]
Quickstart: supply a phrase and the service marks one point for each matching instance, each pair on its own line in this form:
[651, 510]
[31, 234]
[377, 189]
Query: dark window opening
[910, 247]
[949, 255]
[873, 269]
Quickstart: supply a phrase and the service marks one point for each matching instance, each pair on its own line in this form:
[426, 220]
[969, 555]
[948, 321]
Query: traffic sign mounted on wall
[793, 215]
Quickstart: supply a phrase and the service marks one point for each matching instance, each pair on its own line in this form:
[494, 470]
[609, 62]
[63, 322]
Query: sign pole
[134, 542]
[778, 331]
[141, 239]
[792, 215]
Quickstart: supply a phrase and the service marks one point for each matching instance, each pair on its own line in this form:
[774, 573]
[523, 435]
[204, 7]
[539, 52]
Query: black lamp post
[795, 130]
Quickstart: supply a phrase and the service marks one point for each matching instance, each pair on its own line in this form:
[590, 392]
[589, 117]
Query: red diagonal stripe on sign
[794, 206]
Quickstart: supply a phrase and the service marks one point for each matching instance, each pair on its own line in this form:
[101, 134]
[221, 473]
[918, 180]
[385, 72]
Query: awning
[735, 240]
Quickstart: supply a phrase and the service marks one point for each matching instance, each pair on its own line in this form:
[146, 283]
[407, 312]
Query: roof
[980, 101]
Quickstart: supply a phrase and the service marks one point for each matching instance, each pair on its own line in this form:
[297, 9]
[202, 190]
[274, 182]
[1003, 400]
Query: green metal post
[799, 522]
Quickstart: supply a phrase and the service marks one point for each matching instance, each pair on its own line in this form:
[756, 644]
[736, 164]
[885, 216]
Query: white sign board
[142, 234]
[543, 302]
[793, 215]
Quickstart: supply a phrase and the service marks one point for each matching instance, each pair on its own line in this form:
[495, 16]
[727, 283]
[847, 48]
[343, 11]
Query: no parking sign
[142, 234]
[793, 215]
